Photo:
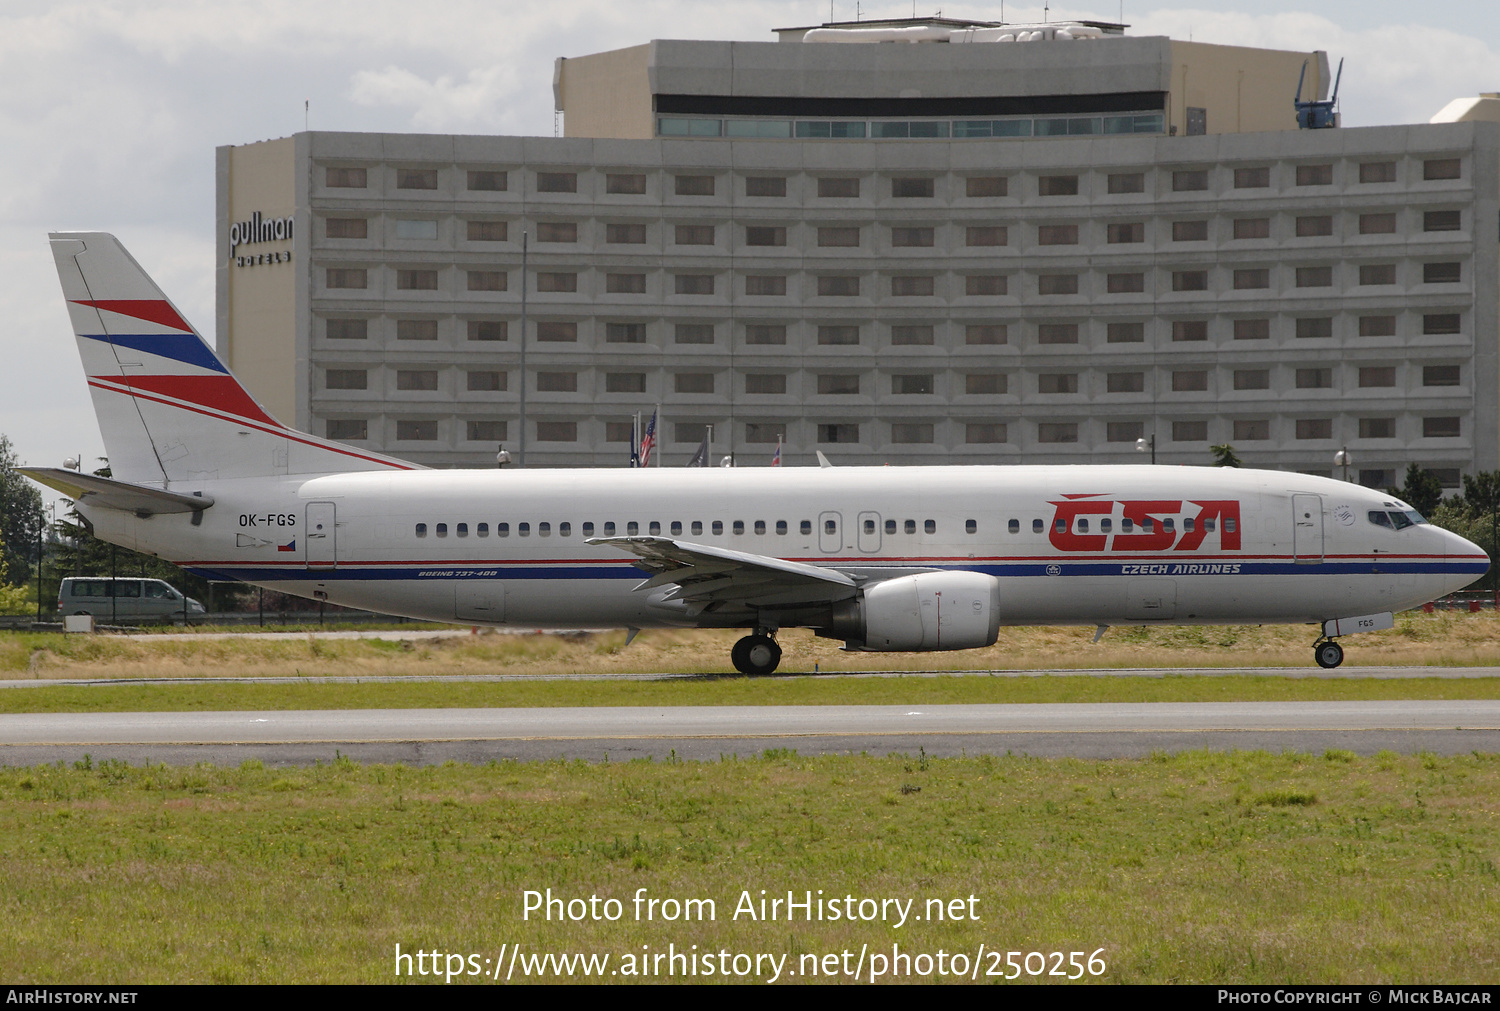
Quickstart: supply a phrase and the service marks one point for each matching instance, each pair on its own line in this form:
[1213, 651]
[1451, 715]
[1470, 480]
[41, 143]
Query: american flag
[776, 460]
[648, 441]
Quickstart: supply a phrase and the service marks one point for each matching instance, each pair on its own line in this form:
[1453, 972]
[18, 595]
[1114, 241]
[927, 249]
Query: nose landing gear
[1328, 653]
[755, 655]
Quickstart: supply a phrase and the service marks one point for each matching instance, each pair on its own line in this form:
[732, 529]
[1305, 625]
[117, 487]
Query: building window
[768, 383]
[556, 331]
[1441, 322]
[487, 280]
[1314, 277]
[420, 380]
[348, 429]
[918, 384]
[1442, 273]
[488, 330]
[1313, 225]
[1189, 179]
[487, 382]
[1057, 382]
[346, 179]
[348, 329]
[1377, 428]
[1057, 431]
[557, 382]
[1057, 284]
[838, 236]
[765, 333]
[1252, 379]
[1259, 277]
[838, 334]
[1252, 329]
[694, 186]
[556, 281]
[488, 180]
[346, 228]
[1190, 231]
[1314, 379]
[693, 333]
[1123, 431]
[985, 383]
[417, 431]
[985, 235]
[1315, 326]
[765, 236]
[1127, 231]
[557, 231]
[557, 182]
[1190, 280]
[1127, 182]
[765, 284]
[915, 236]
[416, 280]
[911, 432]
[625, 284]
[1190, 330]
[1440, 375]
[911, 187]
[628, 183]
[634, 235]
[694, 382]
[833, 186]
[694, 235]
[625, 333]
[557, 431]
[1377, 273]
[1057, 235]
[1314, 175]
[912, 334]
[625, 382]
[1125, 382]
[416, 330]
[1057, 186]
[986, 284]
[1252, 228]
[837, 285]
[1057, 333]
[486, 431]
[766, 432]
[1377, 376]
[347, 277]
[416, 228]
[1377, 172]
[838, 384]
[838, 433]
[1193, 381]
[1314, 428]
[985, 186]
[345, 379]
[1442, 168]
[416, 179]
[986, 333]
[1256, 178]
[1377, 224]
[1258, 430]
[1376, 326]
[1440, 428]
[1124, 284]
[487, 231]
[984, 432]
[1125, 333]
[765, 186]
[1189, 431]
[1442, 221]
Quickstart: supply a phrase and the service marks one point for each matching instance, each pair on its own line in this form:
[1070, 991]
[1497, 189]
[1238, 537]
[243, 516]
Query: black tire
[755, 655]
[1328, 655]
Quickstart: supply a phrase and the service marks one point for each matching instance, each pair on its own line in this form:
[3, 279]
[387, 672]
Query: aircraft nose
[1465, 560]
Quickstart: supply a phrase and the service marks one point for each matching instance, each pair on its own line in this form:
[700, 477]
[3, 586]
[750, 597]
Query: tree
[1422, 490]
[1224, 456]
[20, 518]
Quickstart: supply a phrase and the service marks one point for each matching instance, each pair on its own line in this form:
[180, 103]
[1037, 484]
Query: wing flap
[706, 575]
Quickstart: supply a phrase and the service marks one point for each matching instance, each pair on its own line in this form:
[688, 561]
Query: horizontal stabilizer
[111, 494]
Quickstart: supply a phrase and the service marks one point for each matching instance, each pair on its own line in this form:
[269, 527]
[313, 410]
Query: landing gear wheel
[1328, 654]
[755, 655]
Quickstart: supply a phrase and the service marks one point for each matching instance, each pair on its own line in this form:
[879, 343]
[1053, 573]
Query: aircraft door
[320, 537]
[1307, 529]
[869, 532]
[830, 532]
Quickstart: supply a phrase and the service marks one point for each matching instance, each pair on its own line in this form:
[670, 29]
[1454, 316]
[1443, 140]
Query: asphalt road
[706, 732]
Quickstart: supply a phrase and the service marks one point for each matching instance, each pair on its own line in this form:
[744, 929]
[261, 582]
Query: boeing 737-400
[885, 559]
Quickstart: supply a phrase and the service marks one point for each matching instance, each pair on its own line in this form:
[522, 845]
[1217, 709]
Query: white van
[123, 598]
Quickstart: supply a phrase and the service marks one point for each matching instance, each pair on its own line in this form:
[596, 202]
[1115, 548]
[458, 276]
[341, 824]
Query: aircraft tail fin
[169, 410]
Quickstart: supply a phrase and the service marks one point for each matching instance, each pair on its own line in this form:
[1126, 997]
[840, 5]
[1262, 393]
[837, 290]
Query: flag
[648, 442]
[289, 546]
[700, 456]
[776, 460]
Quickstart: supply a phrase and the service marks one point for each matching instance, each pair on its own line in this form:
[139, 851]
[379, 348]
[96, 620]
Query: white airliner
[891, 558]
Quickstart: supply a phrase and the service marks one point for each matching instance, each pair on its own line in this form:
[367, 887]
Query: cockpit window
[1380, 519]
[1396, 519]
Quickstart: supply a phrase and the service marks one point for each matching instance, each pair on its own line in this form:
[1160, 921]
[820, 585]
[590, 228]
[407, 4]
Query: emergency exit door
[320, 536]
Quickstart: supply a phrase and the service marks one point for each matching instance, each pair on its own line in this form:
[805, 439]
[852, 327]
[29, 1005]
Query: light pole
[1144, 445]
[1343, 459]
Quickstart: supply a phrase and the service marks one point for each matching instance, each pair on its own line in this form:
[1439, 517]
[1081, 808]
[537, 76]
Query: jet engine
[922, 613]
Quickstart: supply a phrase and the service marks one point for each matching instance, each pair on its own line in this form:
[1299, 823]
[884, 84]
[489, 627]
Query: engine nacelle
[922, 613]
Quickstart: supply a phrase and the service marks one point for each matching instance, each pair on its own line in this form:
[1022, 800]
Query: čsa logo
[1143, 524]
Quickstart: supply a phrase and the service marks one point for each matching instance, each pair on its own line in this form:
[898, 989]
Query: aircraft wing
[102, 491]
[708, 578]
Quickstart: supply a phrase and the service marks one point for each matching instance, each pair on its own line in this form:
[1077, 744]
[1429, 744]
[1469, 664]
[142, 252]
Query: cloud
[444, 105]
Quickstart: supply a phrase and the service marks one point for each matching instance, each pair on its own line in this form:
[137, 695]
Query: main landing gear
[1328, 653]
[756, 654]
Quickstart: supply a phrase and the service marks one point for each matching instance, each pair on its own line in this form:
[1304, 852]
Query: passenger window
[565, 529]
[632, 528]
[655, 528]
[830, 527]
[1014, 526]
[1187, 524]
[482, 529]
[760, 526]
[718, 528]
[1083, 525]
[697, 527]
[544, 529]
[462, 529]
[781, 527]
[1229, 525]
[588, 528]
[421, 529]
[523, 529]
[739, 526]
[1061, 526]
[1167, 525]
[1127, 525]
[1105, 525]
[930, 526]
[131, 588]
[911, 526]
[1037, 526]
[609, 529]
[890, 526]
[970, 526]
[442, 530]
[806, 527]
[676, 528]
[869, 526]
[502, 529]
[1208, 526]
[1146, 525]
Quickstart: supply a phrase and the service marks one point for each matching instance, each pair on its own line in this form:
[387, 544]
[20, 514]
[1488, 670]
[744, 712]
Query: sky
[110, 112]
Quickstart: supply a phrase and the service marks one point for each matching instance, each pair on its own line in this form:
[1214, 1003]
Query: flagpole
[521, 454]
[660, 434]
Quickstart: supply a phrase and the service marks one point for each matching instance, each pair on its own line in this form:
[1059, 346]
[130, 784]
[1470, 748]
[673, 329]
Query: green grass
[1238, 868]
[728, 690]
